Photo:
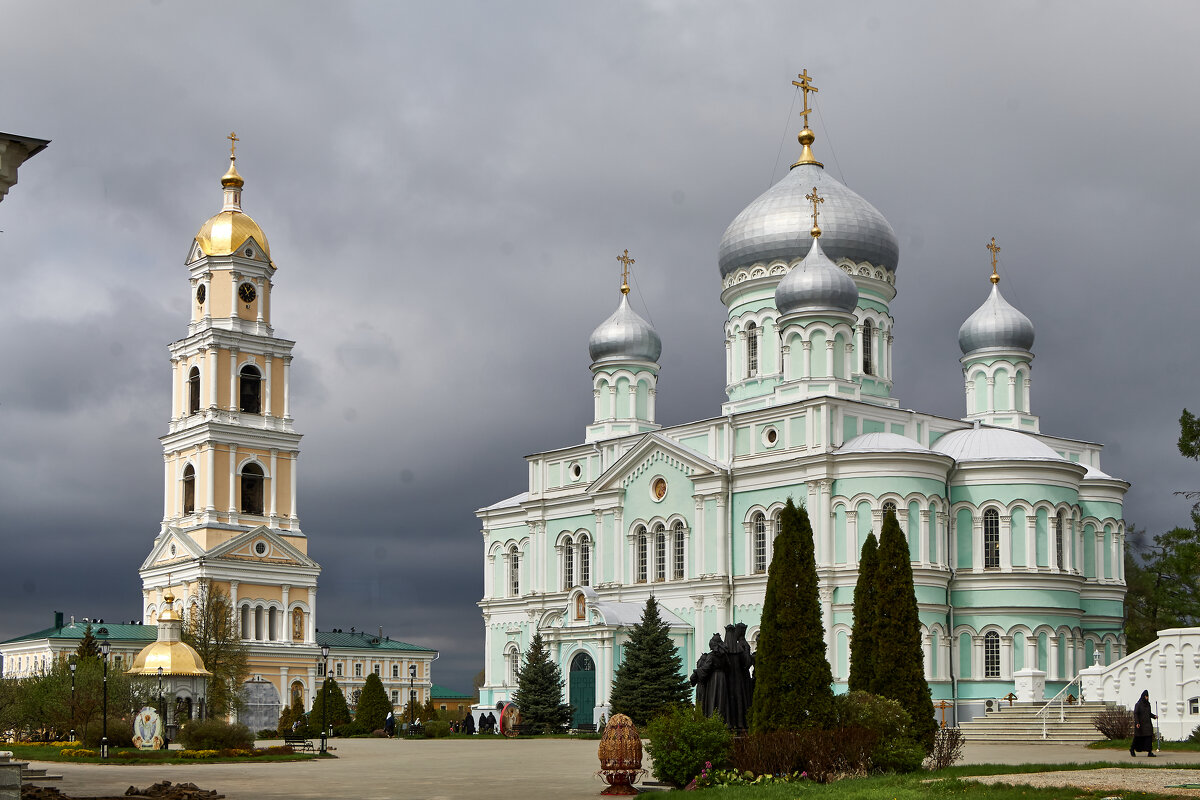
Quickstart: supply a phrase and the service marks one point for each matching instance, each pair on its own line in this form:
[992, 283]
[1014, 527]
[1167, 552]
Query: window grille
[751, 350]
[660, 554]
[1058, 538]
[868, 333]
[889, 506]
[680, 562]
[759, 526]
[585, 562]
[641, 554]
[991, 655]
[514, 573]
[991, 539]
[568, 563]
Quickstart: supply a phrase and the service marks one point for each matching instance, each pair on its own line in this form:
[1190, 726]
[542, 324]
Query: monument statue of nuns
[722, 677]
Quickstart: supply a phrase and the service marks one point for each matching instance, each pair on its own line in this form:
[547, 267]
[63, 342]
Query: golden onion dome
[175, 658]
[232, 178]
[225, 233]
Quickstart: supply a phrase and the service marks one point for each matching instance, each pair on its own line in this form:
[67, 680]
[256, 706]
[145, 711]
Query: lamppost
[72, 665]
[162, 711]
[324, 694]
[412, 693]
[105, 647]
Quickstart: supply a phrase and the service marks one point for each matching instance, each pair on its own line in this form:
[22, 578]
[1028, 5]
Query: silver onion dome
[776, 225]
[625, 337]
[995, 324]
[816, 284]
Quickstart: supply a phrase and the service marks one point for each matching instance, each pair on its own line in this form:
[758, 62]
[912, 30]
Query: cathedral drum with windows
[1016, 537]
[230, 522]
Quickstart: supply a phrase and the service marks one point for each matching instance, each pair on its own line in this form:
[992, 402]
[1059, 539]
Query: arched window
[250, 390]
[247, 627]
[660, 553]
[585, 561]
[252, 489]
[680, 561]
[991, 655]
[1058, 538]
[514, 666]
[991, 539]
[568, 563]
[514, 572]
[751, 350]
[758, 532]
[868, 334]
[640, 536]
[889, 506]
[189, 489]
[194, 390]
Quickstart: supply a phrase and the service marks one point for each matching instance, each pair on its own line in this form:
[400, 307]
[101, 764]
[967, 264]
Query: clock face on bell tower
[247, 292]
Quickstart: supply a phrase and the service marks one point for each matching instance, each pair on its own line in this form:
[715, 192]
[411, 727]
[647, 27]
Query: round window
[576, 472]
[172, 549]
[260, 548]
[249, 253]
[658, 488]
[770, 437]
[201, 292]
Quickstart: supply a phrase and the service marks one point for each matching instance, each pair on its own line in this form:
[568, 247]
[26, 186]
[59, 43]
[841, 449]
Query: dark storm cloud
[445, 187]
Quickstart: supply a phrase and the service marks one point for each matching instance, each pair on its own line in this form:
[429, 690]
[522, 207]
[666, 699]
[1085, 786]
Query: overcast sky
[445, 187]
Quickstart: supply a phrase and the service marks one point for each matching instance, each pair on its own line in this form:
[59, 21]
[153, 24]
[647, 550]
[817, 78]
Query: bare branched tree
[212, 628]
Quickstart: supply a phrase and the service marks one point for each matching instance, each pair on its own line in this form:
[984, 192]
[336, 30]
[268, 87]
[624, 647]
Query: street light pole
[162, 711]
[324, 694]
[412, 693]
[73, 665]
[105, 647]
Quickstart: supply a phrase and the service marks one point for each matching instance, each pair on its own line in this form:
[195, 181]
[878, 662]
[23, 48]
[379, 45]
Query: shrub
[895, 749]
[214, 734]
[268, 733]
[682, 740]
[770, 753]
[1195, 737]
[1115, 722]
[120, 733]
[947, 748]
[436, 729]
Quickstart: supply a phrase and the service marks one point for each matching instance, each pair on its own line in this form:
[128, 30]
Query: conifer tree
[862, 638]
[539, 694]
[333, 701]
[650, 677]
[373, 705]
[899, 660]
[88, 646]
[792, 679]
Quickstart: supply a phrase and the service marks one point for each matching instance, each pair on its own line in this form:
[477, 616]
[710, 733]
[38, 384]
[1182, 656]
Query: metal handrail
[1062, 714]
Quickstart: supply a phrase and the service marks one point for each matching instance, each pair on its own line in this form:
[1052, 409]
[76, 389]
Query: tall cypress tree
[333, 701]
[539, 693]
[650, 677]
[862, 638]
[792, 679]
[899, 660]
[373, 705]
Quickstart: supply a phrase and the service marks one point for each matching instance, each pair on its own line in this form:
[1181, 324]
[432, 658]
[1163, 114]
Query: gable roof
[691, 462]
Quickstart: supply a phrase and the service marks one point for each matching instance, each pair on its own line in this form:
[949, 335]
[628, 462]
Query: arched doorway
[583, 689]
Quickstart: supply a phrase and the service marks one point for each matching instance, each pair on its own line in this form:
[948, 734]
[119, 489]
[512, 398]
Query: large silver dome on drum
[816, 284]
[995, 324]
[625, 337]
[776, 225]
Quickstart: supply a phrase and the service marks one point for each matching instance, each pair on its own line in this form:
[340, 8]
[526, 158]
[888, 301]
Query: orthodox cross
[626, 261]
[995, 249]
[805, 84]
[815, 198]
[233, 140]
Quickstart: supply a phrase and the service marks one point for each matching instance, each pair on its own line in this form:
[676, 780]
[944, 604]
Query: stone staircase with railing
[1021, 723]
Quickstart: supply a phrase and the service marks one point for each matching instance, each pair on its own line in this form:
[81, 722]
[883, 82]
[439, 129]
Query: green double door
[583, 689]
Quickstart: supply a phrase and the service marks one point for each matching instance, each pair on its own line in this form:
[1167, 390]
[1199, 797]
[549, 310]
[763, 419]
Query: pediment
[652, 450]
[255, 250]
[174, 547]
[263, 546]
[195, 254]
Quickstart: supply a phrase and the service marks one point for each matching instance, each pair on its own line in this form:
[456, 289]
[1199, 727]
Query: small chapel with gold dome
[1016, 536]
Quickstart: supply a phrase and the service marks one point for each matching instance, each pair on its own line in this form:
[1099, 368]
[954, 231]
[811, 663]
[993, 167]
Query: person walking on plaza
[1143, 726]
[389, 724]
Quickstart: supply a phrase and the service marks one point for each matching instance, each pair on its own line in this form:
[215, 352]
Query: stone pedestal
[1091, 684]
[1030, 685]
[10, 777]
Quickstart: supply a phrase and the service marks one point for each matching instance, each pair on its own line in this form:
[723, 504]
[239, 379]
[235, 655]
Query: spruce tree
[862, 638]
[333, 701]
[88, 646]
[792, 679]
[373, 706]
[539, 695]
[899, 660]
[650, 678]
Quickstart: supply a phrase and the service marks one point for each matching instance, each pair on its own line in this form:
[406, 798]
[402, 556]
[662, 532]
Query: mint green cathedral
[1016, 537]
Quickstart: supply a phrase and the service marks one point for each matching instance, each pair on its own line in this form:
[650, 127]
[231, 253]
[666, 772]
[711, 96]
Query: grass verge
[127, 755]
[1123, 744]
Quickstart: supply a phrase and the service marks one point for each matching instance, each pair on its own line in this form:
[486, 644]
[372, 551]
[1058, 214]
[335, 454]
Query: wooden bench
[297, 742]
[586, 728]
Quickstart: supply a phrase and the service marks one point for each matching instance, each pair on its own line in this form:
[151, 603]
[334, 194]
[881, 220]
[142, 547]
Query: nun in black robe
[1143, 726]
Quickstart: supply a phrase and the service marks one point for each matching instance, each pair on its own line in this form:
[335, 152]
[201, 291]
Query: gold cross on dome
[233, 140]
[626, 261]
[815, 198]
[805, 84]
[995, 248]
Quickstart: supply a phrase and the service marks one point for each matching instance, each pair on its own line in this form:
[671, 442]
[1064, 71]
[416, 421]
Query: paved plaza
[460, 769]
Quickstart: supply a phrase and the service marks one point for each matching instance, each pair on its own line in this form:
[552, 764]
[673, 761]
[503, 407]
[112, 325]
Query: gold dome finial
[806, 137]
[232, 178]
[626, 261]
[815, 198]
[995, 248]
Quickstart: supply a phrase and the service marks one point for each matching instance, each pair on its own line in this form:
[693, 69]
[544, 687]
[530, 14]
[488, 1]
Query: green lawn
[1123, 744]
[120, 755]
[947, 783]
